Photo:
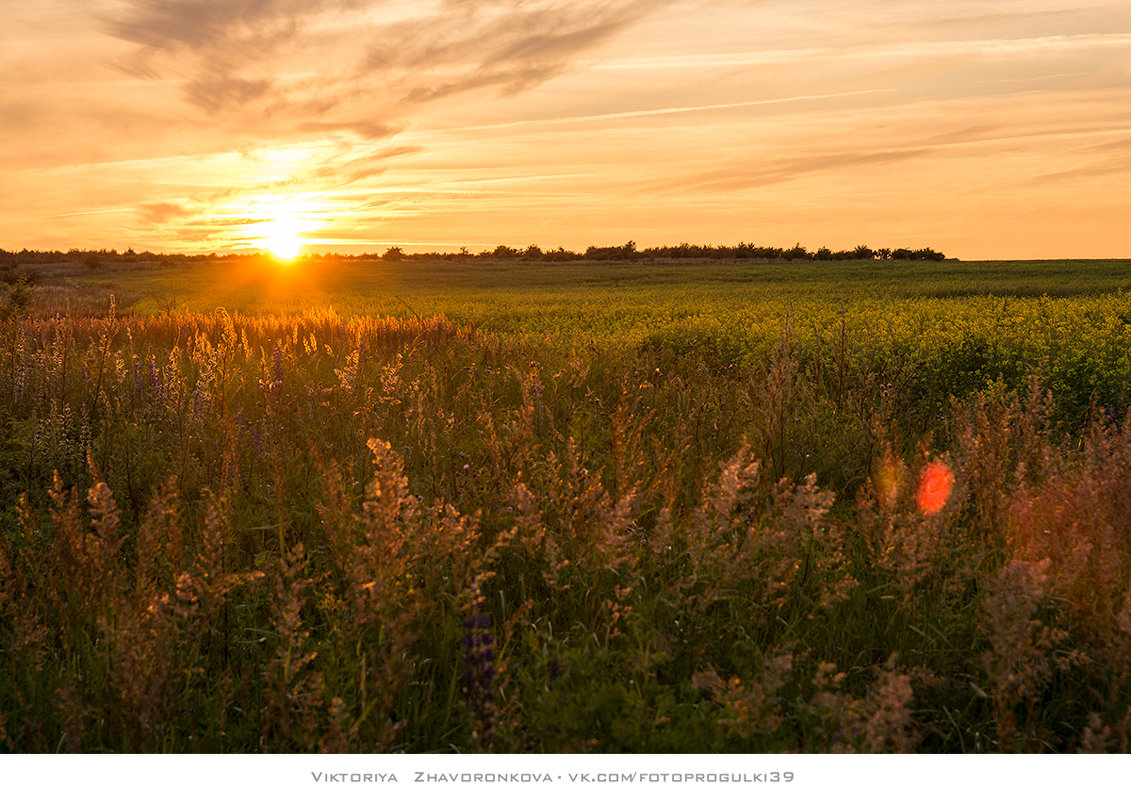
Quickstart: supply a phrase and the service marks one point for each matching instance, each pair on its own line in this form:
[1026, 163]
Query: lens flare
[935, 485]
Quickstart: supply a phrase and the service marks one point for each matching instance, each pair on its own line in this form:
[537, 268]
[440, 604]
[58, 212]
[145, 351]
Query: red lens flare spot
[934, 488]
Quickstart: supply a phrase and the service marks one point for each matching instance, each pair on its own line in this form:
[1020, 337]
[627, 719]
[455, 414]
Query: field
[351, 505]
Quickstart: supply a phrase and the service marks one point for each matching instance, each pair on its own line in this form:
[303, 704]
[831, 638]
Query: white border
[551, 777]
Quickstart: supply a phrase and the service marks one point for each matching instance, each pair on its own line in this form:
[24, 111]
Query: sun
[281, 226]
[281, 237]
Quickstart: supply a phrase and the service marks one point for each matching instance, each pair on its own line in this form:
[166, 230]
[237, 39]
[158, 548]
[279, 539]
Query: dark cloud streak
[219, 91]
[509, 45]
[211, 25]
[237, 51]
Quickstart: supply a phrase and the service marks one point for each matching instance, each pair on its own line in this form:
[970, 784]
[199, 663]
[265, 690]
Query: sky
[983, 129]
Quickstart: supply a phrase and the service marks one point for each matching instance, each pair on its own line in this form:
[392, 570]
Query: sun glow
[282, 236]
[283, 226]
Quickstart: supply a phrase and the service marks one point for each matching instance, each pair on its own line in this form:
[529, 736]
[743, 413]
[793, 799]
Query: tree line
[630, 252]
[95, 259]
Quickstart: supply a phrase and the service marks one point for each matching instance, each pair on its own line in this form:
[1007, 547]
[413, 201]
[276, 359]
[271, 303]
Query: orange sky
[200, 125]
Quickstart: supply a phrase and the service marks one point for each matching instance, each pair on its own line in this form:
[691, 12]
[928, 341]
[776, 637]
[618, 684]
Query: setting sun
[281, 237]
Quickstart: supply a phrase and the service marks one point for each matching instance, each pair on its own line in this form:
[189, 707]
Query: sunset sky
[983, 129]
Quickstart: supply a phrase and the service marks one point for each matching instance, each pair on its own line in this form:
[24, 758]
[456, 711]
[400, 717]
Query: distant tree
[561, 254]
[926, 254]
[393, 254]
[796, 253]
[533, 252]
[863, 252]
[762, 252]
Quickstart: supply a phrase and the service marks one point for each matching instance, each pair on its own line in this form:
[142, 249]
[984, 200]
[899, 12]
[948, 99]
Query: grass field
[358, 506]
[255, 286]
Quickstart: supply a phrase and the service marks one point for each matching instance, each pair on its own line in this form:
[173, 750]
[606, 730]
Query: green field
[539, 292]
[938, 328]
[352, 505]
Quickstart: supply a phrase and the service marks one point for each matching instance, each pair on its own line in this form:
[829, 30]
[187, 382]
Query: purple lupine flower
[277, 364]
[478, 677]
[154, 375]
[276, 384]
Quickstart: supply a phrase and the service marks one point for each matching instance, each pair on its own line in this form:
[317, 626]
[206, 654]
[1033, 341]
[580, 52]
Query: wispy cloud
[241, 56]
[220, 91]
[224, 47]
[509, 45]
[1105, 160]
[656, 112]
[872, 51]
[160, 212]
[235, 28]
[750, 173]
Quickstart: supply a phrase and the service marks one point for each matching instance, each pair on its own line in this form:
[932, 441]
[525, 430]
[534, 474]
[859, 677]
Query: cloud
[666, 110]
[344, 60]
[749, 174]
[347, 166]
[1108, 160]
[160, 212]
[226, 47]
[221, 91]
[213, 25]
[509, 45]
[367, 129]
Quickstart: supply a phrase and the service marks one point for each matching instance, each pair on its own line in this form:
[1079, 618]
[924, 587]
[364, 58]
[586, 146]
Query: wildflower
[138, 376]
[154, 374]
[478, 677]
[276, 371]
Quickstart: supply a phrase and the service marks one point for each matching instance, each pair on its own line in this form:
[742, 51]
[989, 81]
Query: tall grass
[310, 532]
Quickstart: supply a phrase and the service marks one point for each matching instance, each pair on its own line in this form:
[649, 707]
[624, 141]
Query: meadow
[645, 506]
